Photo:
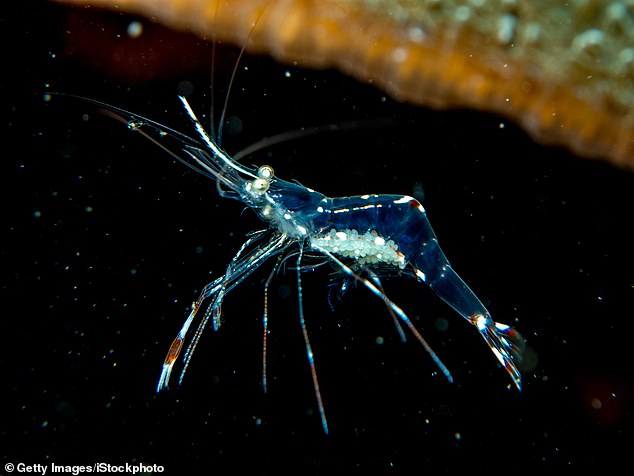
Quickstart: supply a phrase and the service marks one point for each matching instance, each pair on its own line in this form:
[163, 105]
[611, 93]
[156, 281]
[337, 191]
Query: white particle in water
[135, 29]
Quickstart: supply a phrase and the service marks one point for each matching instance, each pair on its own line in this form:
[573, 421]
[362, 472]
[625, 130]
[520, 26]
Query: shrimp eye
[260, 185]
[265, 172]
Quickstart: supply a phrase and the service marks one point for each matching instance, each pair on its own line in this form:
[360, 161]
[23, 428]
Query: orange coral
[563, 70]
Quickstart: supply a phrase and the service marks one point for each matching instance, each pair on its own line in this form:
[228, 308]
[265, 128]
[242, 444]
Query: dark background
[106, 241]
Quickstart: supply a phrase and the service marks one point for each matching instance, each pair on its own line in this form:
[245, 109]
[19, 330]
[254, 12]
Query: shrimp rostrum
[356, 234]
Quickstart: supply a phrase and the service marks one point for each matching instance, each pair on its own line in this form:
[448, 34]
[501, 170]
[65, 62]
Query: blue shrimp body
[394, 230]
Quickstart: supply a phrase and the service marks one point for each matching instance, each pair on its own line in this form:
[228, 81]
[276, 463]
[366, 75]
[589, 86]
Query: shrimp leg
[397, 310]
[239, 270]
[265, 321]
[309, 350]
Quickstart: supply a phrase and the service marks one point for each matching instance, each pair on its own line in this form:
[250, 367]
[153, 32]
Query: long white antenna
[218, 152]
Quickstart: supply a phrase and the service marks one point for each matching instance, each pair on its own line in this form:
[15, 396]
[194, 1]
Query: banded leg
[239, 270]
[216, 288]
[265, 321]
[177, 343]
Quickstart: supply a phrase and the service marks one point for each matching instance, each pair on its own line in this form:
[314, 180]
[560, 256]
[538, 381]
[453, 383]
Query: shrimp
[360, 236]
[356, 234]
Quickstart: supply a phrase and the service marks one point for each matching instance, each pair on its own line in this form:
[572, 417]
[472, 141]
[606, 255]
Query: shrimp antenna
[288, 136]
[235, 70]
[212, 121]
[211, 143]
[218, 135]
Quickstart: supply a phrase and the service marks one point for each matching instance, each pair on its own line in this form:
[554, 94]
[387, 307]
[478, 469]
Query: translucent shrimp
[356, 234]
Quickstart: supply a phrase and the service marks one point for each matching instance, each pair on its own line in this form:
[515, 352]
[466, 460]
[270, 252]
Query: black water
[106, 241]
